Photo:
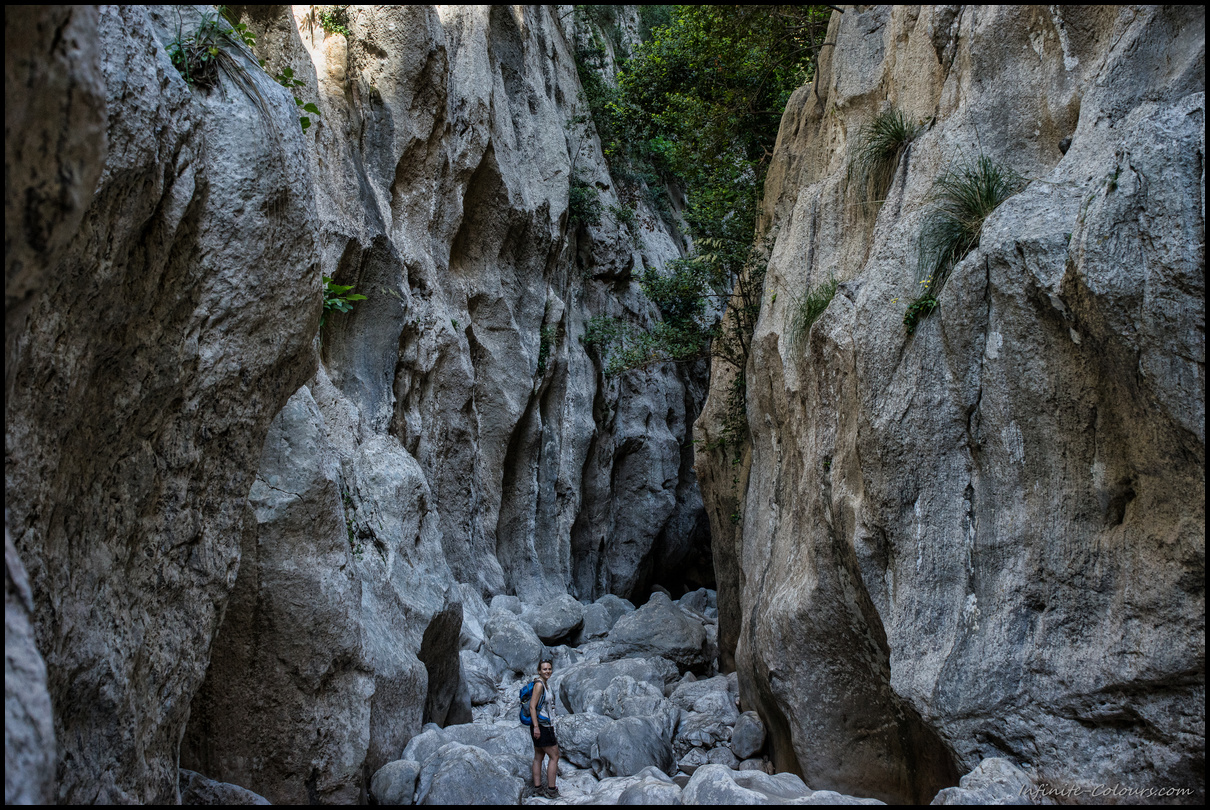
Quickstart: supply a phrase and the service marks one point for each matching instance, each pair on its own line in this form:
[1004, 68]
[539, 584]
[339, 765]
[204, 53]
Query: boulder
[717, 784]
[395, 782]
[722, 755]
[626, 697]
[462, 774]
[479, 677]
[198, 789]
[661, 629]
[582, 687]
[514, 641]
[557, 619]
[651, 791]
[701, 731]
[597, 623]
[748, 736]
[995, 780]
[626, 746]
[578, 734]
[609, 790]
[693, 759]
[424, 744]
[507, 604]
[496, 738]
[717, 696]
[616, 606]
[700, 600]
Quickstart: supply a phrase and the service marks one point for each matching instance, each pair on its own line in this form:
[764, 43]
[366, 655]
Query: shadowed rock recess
[257, 551]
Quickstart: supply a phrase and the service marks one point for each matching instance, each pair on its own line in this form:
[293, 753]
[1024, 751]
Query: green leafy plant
[881, 143]
[337, 299]
[961, 200]
[335, 20]
[200, 56]
[287, 80]
[808, 308]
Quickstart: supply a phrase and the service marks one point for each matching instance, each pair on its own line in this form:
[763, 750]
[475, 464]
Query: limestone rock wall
[160, 257]
[985, 538]
[458, 440]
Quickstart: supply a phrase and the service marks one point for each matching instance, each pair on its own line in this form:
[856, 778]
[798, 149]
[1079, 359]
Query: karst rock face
[458, 440]
[168, 295]
[985, 538]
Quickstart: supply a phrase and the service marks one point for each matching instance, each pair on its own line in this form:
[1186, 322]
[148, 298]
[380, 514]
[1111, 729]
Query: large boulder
[395, 782]
[660, 628]
[557, 619]
[581, 688]
[994, 781]
[480, 679]
[716, 696]
[197, 789]
[628, 745]
[649, 782]
[514, 641]
[701, 730]
[748, 736]
[578, 734]
[462, 775]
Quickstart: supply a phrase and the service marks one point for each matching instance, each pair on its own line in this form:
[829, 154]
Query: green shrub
[583, 203]
[960, 202]
[880, 145]
[808, 308]
[335, 20]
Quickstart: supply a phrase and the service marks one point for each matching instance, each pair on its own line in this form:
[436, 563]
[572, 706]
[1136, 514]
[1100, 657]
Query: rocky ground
[644, 717]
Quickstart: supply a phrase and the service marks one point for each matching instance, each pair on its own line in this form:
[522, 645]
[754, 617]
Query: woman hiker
[542, 710]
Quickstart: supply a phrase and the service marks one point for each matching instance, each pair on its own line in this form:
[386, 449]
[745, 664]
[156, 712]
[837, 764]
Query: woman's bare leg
[552, 767]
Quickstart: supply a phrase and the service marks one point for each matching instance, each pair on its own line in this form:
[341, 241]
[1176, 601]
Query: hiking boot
[550, 792]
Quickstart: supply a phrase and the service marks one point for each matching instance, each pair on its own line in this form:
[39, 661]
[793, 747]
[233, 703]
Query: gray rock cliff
[169, 294]
[985, 538]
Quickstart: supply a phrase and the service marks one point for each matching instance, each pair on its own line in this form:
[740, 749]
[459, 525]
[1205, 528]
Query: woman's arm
[534, 699]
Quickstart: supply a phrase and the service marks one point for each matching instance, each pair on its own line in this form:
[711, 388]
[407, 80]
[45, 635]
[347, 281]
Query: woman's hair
[546, 661]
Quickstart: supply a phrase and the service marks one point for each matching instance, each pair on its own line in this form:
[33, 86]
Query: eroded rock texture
[164, 265]
[458, 441]
[985, 538]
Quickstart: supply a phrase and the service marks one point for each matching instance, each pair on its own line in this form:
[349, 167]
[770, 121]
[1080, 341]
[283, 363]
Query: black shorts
[545, 738]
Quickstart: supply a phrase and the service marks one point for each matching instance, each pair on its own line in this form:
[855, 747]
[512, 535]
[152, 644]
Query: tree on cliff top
[699, 105]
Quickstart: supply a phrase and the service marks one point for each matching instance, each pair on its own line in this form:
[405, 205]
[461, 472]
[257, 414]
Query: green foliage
[200, 55]
[961, 200]
[652, 18]
[337, 299]
[583, 202]
[287, 80]
[808, 308]
[880, 145]
[546, 342]
[918, 310]
[335, 20]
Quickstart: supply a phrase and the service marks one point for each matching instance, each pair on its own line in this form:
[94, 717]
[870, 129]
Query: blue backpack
[527, 692]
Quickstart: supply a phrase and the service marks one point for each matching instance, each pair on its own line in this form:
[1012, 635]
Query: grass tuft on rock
[961, 200]
[881, 144]
[808, 308]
